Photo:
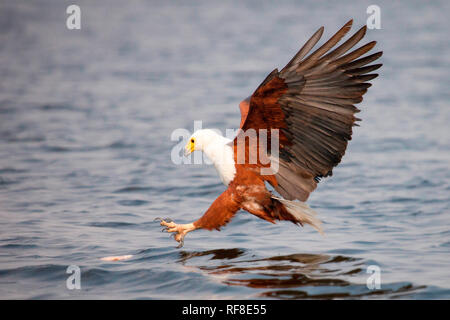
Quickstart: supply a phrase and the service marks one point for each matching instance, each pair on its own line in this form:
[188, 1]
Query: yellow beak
[188, 148]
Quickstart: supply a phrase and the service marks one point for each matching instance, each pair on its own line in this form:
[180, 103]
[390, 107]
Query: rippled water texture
[85, 124]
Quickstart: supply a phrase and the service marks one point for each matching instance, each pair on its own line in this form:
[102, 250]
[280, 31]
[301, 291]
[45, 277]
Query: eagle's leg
[180, 229]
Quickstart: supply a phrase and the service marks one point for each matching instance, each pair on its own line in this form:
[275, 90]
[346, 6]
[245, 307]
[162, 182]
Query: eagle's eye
[192, 140]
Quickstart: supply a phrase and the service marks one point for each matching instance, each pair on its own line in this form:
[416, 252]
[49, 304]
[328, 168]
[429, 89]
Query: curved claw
[168, 220]
[157, 219]
[181, 243]
[164, 229]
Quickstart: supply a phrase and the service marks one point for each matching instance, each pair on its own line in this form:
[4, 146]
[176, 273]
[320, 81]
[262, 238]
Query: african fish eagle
[310, 104]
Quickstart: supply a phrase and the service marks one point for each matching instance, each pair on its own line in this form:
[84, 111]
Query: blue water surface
[86, 118]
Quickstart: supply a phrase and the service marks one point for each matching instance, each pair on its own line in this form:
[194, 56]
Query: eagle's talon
[177, 231]
[168, 224]
[181, 244]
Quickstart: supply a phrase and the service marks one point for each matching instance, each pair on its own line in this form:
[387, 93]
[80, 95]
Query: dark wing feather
[311, 100]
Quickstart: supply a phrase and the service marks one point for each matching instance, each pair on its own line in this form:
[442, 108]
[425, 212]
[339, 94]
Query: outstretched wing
[311, 101]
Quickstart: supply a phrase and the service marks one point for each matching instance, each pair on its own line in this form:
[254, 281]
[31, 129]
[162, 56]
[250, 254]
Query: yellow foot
[179, 230]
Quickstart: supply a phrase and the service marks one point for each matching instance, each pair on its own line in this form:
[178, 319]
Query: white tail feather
[302, 213]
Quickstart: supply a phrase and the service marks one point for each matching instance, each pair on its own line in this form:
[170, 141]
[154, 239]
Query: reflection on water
[293, 276]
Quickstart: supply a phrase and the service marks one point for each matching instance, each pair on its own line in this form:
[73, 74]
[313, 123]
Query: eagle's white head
[217, 148]
[202, 140]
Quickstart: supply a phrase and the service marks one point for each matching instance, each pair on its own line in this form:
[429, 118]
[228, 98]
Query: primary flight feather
[308, 109]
